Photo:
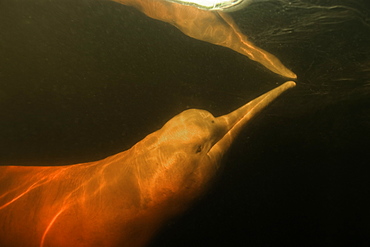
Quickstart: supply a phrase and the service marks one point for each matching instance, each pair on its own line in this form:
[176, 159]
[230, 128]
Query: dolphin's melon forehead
[190, 118]
[188, 124]
[194, 114]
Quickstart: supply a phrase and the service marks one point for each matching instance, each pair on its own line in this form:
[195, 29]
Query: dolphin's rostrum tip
[291, 83]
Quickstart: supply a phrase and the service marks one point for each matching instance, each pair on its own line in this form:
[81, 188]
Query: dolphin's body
[123, 199]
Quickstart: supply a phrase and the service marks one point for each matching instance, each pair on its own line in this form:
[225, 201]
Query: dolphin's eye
[199, 149]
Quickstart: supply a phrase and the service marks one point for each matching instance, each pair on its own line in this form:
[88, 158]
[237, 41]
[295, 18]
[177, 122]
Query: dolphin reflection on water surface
[121, 200]
[215, 27]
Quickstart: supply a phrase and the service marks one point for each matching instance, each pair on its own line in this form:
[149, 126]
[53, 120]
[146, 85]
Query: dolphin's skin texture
[123, 199]
[215, 27]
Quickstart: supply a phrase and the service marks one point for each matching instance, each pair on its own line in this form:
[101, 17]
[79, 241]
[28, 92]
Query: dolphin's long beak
[236, 120]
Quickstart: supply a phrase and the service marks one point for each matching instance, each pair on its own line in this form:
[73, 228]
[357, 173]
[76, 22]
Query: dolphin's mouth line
[241, 116]
[240, 120]
[230, 130]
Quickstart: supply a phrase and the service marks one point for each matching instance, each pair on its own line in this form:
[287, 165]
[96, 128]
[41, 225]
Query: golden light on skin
[211, 26]
[216, 5]
[123, 199]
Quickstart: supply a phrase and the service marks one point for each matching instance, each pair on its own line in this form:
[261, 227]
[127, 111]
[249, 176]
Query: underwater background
[81, 80]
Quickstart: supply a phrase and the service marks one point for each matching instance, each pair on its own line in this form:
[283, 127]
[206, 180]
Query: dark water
[81, 80]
